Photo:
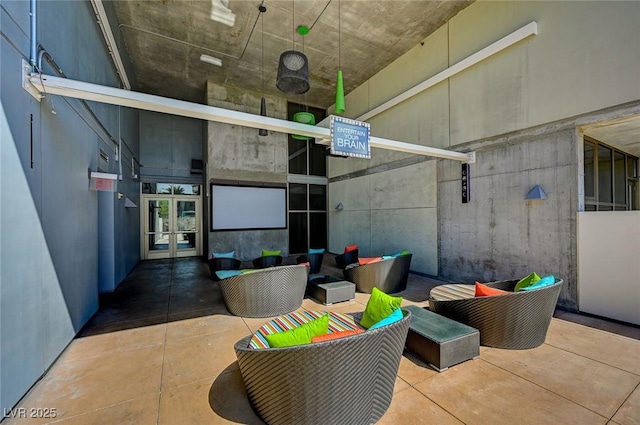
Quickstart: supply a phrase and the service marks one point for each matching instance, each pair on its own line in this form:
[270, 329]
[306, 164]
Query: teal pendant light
[303, 117]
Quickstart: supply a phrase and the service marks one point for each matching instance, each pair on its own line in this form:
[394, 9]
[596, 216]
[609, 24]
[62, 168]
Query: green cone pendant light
[340, 107]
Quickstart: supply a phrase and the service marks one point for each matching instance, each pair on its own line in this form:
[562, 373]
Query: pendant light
[340, 104]
[293, 69]
[303, 117]
[263, 102]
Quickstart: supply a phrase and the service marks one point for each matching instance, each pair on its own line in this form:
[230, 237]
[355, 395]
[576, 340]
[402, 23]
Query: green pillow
[301, 334]
[380, 305]
[270, 252]
[526, 281]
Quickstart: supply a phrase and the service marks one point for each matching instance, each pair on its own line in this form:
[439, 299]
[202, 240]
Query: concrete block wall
[240, 154]
[498, 235]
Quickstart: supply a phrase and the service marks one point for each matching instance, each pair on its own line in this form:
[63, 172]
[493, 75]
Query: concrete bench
[440, 341]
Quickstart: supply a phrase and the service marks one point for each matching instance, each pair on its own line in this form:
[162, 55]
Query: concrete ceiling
[165, 38]
[623, 134]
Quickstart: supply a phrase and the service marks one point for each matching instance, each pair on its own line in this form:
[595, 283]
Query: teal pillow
[230, 254]
[545, 281]
[526, 281]
[271, 252]
[299, 335]
[393, 317]
[225, 274]
[380, 305]
[316, 251]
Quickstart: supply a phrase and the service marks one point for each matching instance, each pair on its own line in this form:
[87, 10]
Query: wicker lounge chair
[343, 381]
[265, 293]
[216, 264]
[517, 321]
[267, 261]
[315, 261]
[388, 275]
[343, 260]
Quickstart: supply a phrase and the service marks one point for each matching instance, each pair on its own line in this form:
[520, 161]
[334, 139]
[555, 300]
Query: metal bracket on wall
[26, 82]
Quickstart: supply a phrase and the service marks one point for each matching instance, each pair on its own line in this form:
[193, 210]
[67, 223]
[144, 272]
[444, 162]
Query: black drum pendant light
[293, 69]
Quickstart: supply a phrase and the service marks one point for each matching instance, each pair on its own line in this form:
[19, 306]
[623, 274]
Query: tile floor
[160, 351]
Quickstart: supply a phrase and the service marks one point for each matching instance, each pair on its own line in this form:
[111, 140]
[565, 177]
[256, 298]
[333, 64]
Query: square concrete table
[440, 341]
[329, 289]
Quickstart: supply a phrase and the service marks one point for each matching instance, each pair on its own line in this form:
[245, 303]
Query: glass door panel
[157, 232]
[186, 227]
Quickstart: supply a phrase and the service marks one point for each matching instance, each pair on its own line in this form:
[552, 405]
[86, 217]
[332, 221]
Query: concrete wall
[583, 60]
[238, 153]
[48, 215]
[388, 211]
[498, 235]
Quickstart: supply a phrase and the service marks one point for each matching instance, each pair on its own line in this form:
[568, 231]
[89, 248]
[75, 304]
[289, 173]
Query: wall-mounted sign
[349, 137]
[466, 196]
[103, 182]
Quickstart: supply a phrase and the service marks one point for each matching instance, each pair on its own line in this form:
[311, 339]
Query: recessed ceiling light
[211, 60]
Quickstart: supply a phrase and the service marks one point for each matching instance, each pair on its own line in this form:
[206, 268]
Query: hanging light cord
[262, 60]
[339, 64]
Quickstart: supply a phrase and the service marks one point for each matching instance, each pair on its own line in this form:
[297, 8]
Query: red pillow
[369, 260]
[349, 248]
[486, 291]
[336, 335]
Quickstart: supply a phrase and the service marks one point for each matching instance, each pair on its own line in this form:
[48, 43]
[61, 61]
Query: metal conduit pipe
[33, 22]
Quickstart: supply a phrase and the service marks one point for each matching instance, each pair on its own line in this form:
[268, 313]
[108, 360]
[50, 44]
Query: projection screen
[248, 207]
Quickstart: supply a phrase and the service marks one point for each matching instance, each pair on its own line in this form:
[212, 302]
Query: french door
[171, 227]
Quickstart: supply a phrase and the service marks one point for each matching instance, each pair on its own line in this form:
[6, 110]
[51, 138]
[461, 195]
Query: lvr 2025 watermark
[34, 412]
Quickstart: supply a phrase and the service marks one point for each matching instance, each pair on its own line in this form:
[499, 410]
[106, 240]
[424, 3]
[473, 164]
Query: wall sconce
[535, 194]
[339, 207]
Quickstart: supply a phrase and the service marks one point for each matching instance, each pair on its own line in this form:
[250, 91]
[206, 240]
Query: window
[170, 189]
[610, 178]
[307, 189]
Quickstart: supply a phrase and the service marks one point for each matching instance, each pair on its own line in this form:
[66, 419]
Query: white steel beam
[103, 21]
[130, 99]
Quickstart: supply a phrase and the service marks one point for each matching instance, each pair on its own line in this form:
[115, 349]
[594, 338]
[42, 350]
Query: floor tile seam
[592, 359]
[435, 402]
[637, 387]
[111, 353]
[193, 311]
[126, 322]
[546, 389]
[608, 332]
[173, 340]
[97, 409]
[164, 356]
[208, 379]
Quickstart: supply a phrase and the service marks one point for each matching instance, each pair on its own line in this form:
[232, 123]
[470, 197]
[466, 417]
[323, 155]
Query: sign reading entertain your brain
[349, 138]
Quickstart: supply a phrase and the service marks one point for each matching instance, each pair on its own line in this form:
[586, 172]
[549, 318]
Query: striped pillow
[453, 291]
[338, 322]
